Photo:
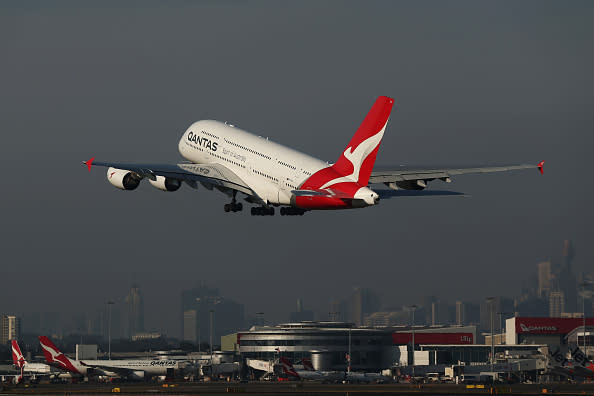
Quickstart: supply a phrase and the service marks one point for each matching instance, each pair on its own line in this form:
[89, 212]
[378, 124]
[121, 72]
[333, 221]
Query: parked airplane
[577, 366]
[309, 373]
[131, 369]
[29, 369]
[232, 160]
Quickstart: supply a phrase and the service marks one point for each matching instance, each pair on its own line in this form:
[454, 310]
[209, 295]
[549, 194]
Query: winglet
[540, 167]
[89, 163]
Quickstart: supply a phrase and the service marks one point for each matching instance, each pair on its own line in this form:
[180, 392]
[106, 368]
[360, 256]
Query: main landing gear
[290, 211]
[262, 211]
[234, 206]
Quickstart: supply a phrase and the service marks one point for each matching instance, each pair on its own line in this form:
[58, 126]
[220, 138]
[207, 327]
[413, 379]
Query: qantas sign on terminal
[271, 175]
[538, 325]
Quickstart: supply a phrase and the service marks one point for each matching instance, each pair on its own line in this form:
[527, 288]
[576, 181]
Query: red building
[436, 336]
[544, 331]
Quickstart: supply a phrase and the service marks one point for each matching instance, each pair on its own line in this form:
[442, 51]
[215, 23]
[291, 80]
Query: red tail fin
[354, 166]
[288, 367]
[307, 364]
[17, 356]
[359, 157]
[54, 356]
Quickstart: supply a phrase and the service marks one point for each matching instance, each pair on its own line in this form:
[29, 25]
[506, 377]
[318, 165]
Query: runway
[306, 388]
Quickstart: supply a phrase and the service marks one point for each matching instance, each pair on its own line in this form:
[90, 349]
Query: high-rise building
[499, 306]
[135, 305]
[460, 313]
[556, 304]
[301, 314]
[431, 310]
[338, 311]
[365, 302]
[11, 328]
[544, 279]
[227, 315]
[190, 326]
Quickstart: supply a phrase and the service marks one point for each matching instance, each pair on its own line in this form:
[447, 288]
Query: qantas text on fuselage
[271, 175]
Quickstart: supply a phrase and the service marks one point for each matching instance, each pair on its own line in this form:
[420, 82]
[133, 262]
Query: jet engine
[137, 375]
[166, 183]
[408, 185]
[123, 179]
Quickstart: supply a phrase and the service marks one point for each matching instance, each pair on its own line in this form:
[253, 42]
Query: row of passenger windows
[290, 186]
[287, 165]
[228, 160]
[247, 149]
[265, 175]
[210, 134]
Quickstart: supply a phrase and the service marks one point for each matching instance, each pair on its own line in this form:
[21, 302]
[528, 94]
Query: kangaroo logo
[288, 367]
[19, 359]
[356, 158]
[56, 356]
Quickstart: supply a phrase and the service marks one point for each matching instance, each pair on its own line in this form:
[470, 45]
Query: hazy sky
[474, 82]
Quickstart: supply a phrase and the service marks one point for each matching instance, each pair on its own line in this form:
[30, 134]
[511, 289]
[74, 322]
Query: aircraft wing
[210, 175]
[121, 371]
[422, 176]
[386, 194]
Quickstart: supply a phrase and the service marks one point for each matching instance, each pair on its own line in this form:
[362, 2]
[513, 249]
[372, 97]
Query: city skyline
[361, 306]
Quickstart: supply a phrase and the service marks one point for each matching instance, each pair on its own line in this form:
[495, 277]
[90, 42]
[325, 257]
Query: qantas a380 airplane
[231, 160]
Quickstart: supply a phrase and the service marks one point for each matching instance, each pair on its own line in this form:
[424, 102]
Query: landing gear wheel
[262, 211]
[291, 211]
[233, 206]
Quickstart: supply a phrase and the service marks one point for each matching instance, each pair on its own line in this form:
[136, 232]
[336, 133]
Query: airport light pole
[490, 302]
[501, 324]
[585, 294]
[211, 333]
[413, 308]
[109, 304]
[349, 360]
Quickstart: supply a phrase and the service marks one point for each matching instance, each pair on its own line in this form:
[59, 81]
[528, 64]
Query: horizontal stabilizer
[326, 192]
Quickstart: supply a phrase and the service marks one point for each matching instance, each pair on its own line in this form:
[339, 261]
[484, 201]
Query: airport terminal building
[548, 331]
[327, 343]
[371, 349]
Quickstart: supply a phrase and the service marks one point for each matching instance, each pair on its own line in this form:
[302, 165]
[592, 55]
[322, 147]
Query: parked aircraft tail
[288, 367]
[55, 357]
[307, 365]
[17, 356]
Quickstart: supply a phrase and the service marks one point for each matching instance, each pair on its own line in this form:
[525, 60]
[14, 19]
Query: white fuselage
[270, 169]
[149, 367]
[36, 368]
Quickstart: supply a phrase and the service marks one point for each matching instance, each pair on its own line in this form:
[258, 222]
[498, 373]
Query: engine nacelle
[137, 375]
[408, 185]
[166, 183]
[123, 179]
